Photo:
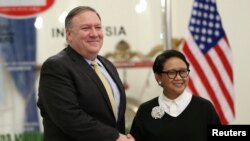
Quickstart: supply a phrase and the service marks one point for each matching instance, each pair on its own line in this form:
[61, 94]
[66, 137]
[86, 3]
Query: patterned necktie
[105, 84]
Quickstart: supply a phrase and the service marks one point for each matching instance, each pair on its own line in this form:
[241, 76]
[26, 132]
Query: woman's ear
[158, 79]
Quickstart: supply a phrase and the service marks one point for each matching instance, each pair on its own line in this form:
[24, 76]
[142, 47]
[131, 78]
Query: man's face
[85, 34]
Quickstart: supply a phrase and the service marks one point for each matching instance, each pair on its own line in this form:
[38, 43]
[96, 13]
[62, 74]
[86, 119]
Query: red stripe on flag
[220, 82]
[226, 64]
[225, 38]
[204, 80]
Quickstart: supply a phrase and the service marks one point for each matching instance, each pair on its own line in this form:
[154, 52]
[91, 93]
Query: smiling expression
[172, 88]
[85, 34]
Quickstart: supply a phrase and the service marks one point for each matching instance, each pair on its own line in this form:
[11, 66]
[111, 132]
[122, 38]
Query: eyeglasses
[173, 73]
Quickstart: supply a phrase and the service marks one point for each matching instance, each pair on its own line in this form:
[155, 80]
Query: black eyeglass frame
[182, 73]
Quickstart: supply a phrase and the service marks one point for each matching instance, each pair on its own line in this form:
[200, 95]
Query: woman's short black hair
[164, 56]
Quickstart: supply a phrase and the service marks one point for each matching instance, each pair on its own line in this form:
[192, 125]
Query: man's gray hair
[76, 11]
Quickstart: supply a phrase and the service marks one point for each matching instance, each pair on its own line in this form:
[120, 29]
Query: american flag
[209, 53]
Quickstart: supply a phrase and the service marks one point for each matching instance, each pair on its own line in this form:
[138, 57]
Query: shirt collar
[180, 101]
[98, 62]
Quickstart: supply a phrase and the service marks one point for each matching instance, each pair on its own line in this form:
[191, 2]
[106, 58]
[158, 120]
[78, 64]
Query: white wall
[143, 34]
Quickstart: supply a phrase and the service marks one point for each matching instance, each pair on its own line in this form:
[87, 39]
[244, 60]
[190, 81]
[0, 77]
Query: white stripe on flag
[211, 78]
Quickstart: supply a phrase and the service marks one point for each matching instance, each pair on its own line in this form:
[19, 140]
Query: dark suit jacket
[73, 102]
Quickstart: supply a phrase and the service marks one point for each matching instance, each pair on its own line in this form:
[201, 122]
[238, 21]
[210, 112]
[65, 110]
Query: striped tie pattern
[105, 83]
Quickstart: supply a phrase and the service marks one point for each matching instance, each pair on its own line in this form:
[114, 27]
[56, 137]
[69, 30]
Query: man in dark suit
[73, 101]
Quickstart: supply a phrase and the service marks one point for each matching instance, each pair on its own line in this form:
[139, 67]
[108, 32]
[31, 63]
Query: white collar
[181, 102]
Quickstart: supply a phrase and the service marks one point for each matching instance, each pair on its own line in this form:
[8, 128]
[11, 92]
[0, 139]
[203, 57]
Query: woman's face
[175, 77]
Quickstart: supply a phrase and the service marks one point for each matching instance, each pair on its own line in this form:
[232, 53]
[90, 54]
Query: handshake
[127, 137]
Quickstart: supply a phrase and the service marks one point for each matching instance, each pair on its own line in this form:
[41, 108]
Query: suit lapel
[85, 69]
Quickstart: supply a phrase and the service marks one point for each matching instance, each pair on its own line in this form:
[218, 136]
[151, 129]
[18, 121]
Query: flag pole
[166, 24]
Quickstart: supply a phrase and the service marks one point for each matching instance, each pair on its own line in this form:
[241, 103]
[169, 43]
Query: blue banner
[17, 66]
